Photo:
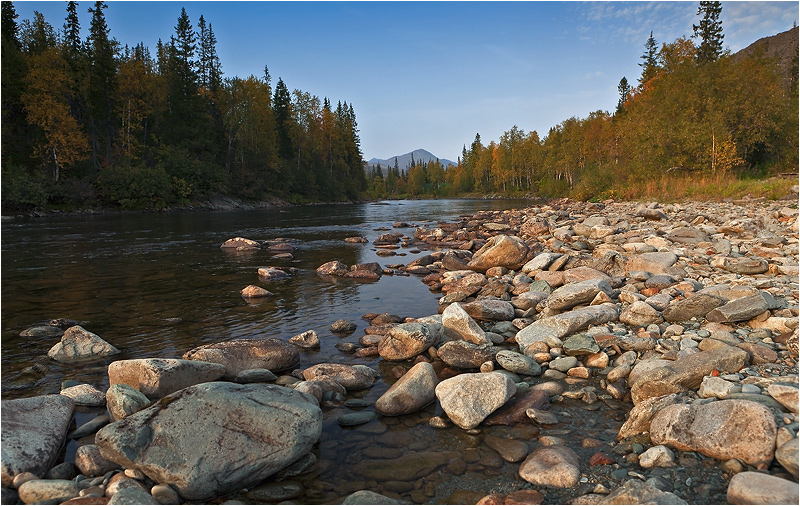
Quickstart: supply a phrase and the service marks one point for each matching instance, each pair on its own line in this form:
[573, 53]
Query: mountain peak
[404, 161]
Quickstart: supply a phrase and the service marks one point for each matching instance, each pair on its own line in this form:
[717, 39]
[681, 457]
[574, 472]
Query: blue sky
[433, 74]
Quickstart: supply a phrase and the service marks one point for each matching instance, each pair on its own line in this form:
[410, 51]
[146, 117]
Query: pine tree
[650, 65]
[709, 31]
[102, 85]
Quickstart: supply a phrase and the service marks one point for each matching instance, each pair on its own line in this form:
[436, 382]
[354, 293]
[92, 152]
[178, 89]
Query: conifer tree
[15, 135]
[709, 31]
[624, 93]
[650, 65]
[102, 85]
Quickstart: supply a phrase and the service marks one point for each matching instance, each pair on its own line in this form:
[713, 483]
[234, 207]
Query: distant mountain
[783, 48]
[404, 161]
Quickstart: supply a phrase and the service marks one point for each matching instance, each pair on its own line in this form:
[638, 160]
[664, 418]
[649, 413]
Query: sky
[432, 75]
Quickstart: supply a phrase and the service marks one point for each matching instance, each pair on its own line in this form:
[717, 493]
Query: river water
[158, 285]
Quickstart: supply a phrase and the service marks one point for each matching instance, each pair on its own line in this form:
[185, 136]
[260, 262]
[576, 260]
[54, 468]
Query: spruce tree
[709, 31]
[102, 85]
[650, 65]
[624, 93]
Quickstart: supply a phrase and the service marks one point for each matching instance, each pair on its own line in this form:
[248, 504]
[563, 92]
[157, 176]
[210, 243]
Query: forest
[698, 116]
[88, 123]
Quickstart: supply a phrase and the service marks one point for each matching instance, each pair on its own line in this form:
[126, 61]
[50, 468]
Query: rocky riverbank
[667, 335]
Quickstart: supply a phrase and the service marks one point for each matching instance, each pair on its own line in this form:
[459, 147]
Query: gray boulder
[739, 310]
[573, 294]
[469, 398]
[157, 377]
[407, 340]
[489, 309]
[412, 392]
[256, 431]
[696, 306]
[518, 363]
[241, 354]
[564, 324]
[465, 355]
[123, 400]
[350, 377]
[80, 345]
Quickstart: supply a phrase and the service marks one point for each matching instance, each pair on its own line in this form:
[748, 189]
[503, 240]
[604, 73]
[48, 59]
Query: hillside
[404, 161]
[783, 48]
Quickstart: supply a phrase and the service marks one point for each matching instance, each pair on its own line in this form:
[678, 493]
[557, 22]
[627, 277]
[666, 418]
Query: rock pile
[686, 315]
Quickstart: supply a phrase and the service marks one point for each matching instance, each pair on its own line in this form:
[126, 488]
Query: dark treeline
[88, 122]
[697, 113]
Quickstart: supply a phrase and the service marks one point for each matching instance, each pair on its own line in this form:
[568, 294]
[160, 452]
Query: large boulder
[696, 306]
[79, 345]
[469, 398]
[655, 263]
[211, 439]
[727, 429]
[33, 434]
[460, 325]
[500, 251]
[157, 377]
[687, 373]
[489, 309]
[757, 488]
[412, 392]
[242, 354]
[407, 340]
[739, 310]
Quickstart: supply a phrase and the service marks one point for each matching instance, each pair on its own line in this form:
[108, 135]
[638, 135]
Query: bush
[134, 187]
[23, 189]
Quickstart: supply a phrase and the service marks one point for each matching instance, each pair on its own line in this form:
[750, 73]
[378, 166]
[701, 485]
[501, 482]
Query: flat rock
[241, 354]
[350, 377]
[518, 363]
[80, 345]
[47, 491]
[157, 377]
[573, 294]
[267, 428]
[688, 372]
[241, 244]
[468, 399]
[640, 314]
[85, 395]
[551, 466]
[254, 292]
[33, 434]
[465, 355]
[369, 497]
[511, 450]
[637, 492]
[412, 392]
[758, 488]
[787, 395]
[739, 310]
[656, 263]
[696, 306]
[727, 429]
[515, 410]
[580, 345]
[564, 324]
[407, 467]
[489, 309]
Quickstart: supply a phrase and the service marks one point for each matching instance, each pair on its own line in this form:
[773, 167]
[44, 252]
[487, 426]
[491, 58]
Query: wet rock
[333, 268]
[407, 340]
[758, 488]
[255, 292]
[696, 306]
[255, 376]
[518, 363]
[640, 314]
[407, 467]
[123, 400]
[85, 395]
[80, 345]
[272, 274]
[469, 398]
[47, 491]
[500, 250]
[42, 331]
[511, 450]
[33, 433]
[368, 497]
[350, 377]
[91, 463]
[637, 492]
[412, 392]
[157, 377]
[723, 430]
[460, 325]
[266, 426]
[573, 294]
[516, 409]
[465, 355]
[358, 418]
[308, 339]
[241, 244]
[343, 327]
[89, 427]
[551, 466]
[241, 354]
[687, 373]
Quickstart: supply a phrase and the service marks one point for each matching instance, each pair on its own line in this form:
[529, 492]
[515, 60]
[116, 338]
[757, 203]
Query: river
[158, 285]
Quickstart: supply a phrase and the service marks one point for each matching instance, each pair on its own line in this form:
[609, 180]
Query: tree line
[89, 121]
[696, 111]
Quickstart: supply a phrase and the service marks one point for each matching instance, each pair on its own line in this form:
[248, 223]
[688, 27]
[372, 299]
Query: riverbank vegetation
[91, 123]
[88, 123]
